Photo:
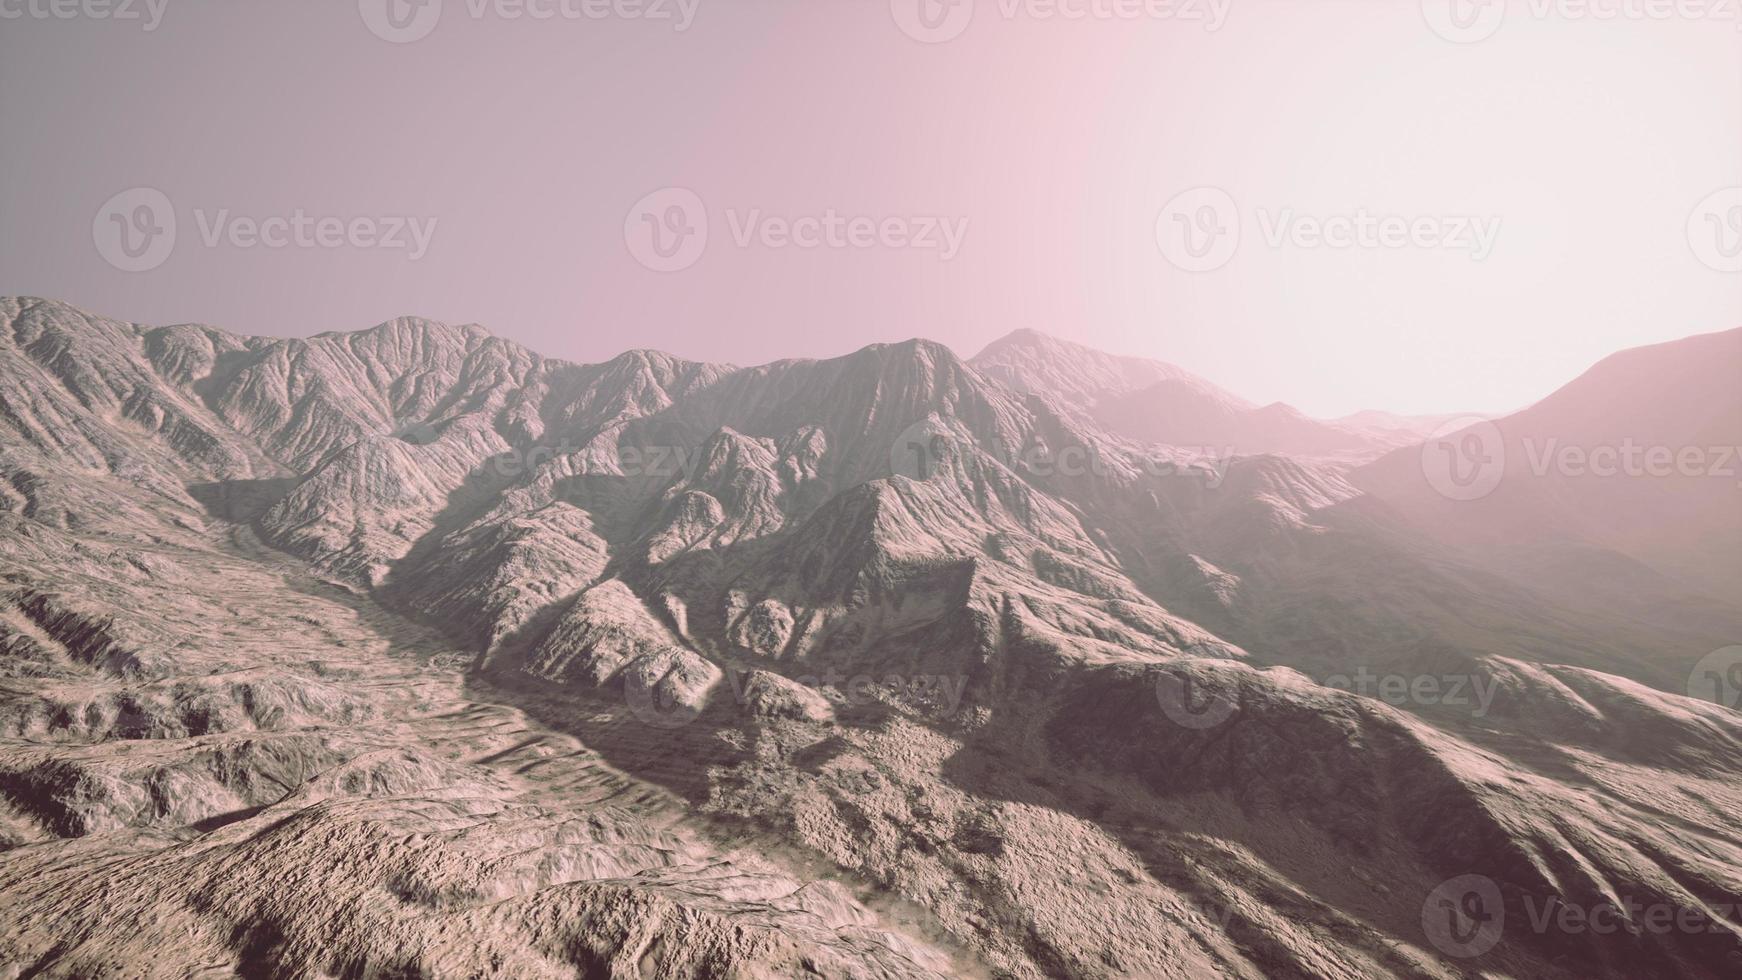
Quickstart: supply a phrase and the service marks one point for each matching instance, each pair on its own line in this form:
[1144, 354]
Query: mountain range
[411, 652]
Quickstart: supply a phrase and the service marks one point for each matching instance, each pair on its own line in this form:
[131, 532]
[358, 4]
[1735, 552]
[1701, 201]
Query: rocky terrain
[410, 652]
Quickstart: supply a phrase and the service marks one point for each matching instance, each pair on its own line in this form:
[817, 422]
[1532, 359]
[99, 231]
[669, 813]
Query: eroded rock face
[410, 652]
[766, 695]
[763, 629]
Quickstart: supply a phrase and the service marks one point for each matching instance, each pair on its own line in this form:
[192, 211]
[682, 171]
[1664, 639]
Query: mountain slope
[1155, 402]
[868, 666]
[1638, 456]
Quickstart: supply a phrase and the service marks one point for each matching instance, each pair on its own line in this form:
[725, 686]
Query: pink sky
[1051, 145]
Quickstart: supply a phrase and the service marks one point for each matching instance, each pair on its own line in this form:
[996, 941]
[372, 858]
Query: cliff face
[411, 650]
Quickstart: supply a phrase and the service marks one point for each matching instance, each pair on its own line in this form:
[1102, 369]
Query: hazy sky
[1514, 202]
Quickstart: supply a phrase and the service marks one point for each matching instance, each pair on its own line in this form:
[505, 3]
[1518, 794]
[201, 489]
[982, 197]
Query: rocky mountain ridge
[927, 670]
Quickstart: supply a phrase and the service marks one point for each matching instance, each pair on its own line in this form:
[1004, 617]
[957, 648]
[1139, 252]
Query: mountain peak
[1028, 339]
[1024, 335]
[1032, 361]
